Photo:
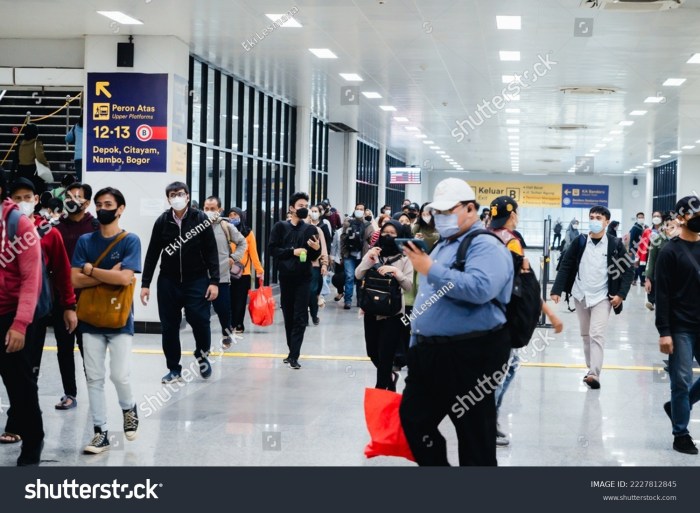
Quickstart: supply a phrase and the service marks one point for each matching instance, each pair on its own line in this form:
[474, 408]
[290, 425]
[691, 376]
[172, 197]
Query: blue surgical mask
[447, 225]
[595, 226]
[236, 221]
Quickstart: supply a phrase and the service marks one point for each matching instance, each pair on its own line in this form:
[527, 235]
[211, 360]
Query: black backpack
[523, 310]
[354, 236]
[380, 295]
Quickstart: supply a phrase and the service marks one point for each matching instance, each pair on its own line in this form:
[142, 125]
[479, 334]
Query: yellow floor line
[540, 365]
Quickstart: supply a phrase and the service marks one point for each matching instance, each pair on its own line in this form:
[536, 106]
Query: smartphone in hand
[419, 243]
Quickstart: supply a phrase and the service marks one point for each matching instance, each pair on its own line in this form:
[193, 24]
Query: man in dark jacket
[597, 272]
[635, 237]
[76, 222]
[295, 244]
[184, 241]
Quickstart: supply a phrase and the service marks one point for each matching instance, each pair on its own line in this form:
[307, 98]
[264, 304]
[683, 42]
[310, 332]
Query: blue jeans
[350, 264]
[514, 362]
[684, 393]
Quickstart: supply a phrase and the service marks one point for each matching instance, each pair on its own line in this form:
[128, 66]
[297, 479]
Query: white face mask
[211, 214]
[387, 212]
[26, 207]
[178, 203]
[640, 220]
[359, 214]
[315, 216]
[427, 218]
[656, 220]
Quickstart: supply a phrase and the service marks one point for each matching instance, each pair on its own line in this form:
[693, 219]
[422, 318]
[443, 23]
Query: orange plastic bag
[261, 305]
[384, 425]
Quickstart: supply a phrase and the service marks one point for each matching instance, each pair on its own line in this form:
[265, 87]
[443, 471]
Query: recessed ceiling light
[571, 171]
[508, 22]
[626, 123]
[594, 151]
[675, 152]
[512, 111]
[688, 147]
[512, 121]
[616, 132]
[371, 95]
[507, 79]
[351, 77]
[514, 137]
[697, 142]
[120, 17]
[656, 161]
[695, 59]
[600, 145]
[397, 119]
[638, 113]
[512, 97]
[412, 128]
[664, 156]
[440, 152]
[647, 163]
[421, 136]
[654, 99]
[509, 55]
[290, 23]
[607, 139]
[435, 147]
[389, 108]
[323, 53]
[426, 142]
[629, 172]
[514, 130]
[674, 82]
[589, 154]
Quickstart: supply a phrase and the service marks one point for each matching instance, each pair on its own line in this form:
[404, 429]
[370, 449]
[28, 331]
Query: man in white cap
[460, 345]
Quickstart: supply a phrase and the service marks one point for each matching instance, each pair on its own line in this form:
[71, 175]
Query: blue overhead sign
[584, 195]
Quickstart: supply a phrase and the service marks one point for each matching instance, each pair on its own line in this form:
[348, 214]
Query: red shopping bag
[384, 425]
[261, 305]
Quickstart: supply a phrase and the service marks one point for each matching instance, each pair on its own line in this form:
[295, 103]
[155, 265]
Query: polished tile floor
[256, 411]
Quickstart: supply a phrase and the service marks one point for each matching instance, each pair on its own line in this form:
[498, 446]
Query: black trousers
[556, 241]
[381, 339]
[456, 379]
[639, 274]
[294, 296]
[314, 291]
[22, 391]
[402, 346]
[239, 300]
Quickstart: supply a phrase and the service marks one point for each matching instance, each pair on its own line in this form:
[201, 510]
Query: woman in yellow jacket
[240, 287]
[30, 149]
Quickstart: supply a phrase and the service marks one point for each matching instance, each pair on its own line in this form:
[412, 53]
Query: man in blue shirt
[460, 345]
[116, 268]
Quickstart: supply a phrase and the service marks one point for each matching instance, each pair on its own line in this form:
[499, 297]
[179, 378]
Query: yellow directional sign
[101, 87]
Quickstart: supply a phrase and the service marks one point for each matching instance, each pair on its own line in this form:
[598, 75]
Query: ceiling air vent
[556, 148]
[550, 161]
[588, 90]
[340, 127]
[632, 5]
[568, 127]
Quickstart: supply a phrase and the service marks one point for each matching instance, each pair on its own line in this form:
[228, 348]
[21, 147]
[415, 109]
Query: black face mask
[412, 215]
[694, 224]
[72, 207]
[368, 219]
[388, 245]
[302, 213]
[106, 216]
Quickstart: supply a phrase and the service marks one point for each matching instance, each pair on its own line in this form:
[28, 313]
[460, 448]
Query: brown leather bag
[104, 305]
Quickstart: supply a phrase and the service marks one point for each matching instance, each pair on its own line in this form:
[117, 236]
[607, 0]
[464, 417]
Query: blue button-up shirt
[452, 302]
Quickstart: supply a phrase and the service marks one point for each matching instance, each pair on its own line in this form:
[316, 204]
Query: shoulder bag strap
[119, 238]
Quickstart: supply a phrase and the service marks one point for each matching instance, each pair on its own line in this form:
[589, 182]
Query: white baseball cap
[449, 192]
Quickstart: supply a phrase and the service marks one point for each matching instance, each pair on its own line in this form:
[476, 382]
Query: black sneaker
[131, 423]
[99, 443]
[294, 364]
[204, 367]
[338, 297]
[347, 306]
[286, 360]
[684, 444]
[667, 409]
[226, 342]
[316, 321]
[592, 382]
[171, 377]
[30, 457]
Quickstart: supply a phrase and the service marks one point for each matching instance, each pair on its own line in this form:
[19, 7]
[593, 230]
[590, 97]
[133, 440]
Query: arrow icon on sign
[567, 191]
[101, 87]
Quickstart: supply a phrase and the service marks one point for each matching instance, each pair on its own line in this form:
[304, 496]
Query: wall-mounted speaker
[635, 181]
[125, 55]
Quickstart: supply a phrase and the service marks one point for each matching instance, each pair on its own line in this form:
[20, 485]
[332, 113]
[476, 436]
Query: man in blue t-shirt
[118, 267]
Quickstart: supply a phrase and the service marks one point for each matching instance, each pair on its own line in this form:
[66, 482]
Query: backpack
[581, 244]
[557, 228]
[44, 303]
[524, 309]
[354, 236]
[380, 295]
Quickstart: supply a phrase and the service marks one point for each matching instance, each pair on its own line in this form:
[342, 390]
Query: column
[381, 200]
[143, 188]
[350, 192]
[688, 176]
[303, 156]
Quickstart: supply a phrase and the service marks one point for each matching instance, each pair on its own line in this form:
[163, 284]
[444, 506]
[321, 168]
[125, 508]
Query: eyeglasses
[174, 195]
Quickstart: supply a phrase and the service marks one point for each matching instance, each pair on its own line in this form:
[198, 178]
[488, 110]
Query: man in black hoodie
[184, 241]
[677, 281]
[295, 244]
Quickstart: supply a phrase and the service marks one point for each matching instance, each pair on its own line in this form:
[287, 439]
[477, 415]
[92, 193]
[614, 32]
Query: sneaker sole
[683, 451]
[593, 384]
[95, 450]
[166, 382]
[130, 435]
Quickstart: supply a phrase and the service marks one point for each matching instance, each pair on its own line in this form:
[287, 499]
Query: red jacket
[57, 263]
[643, 248]
[20, 270]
